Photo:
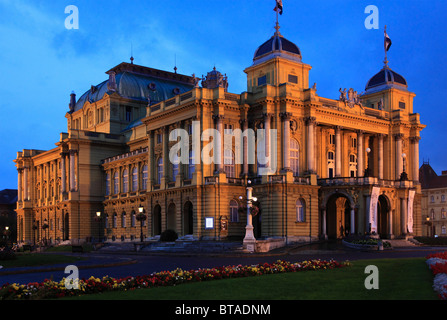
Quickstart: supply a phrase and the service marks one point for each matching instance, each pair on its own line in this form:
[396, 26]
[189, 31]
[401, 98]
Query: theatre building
[348, 164]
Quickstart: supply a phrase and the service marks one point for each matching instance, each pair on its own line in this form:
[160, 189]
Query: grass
[37, 259]
[399, 279]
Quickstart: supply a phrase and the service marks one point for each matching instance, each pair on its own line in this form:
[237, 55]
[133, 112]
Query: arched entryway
[383, 216]
[156, 220]
[188, 218]
[338, 216]
[170, 218]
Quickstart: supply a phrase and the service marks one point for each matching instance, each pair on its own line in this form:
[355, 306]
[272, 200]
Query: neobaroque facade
[434, 201]
[344, 165]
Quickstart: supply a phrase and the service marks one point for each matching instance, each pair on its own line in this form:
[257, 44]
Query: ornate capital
[415, 139]
[285, 116]
[398, 136]
[310, 120]
[218, 117]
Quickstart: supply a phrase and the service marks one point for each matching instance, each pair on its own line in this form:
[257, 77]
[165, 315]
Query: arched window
[229, 167]
[125, 181]
[443, 213]
[294, 157]
[432, 214]
[123, 219]
[106, 222]
[116, 183]
[234, 211]
[132, 218]
[114, 220]
[134, 179]
[352, 165]
[300, 210]
[160, 170]
[144, 182]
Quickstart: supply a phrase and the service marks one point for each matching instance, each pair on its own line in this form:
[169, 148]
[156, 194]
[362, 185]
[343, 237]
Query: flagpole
[384, 46]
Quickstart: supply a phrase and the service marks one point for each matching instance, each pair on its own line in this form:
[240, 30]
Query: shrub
[168, 236]
[7, 254]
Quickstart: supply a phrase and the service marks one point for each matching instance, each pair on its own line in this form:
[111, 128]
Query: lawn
[37, 259]
[399, 279]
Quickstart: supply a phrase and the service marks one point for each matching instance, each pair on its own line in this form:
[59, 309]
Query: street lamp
[98, 219]
[249, 240]
[141, 217]
[45, 227]
[367, 171]
[404, 176]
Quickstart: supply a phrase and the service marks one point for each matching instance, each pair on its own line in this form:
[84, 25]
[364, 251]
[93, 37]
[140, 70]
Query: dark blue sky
[42, 62]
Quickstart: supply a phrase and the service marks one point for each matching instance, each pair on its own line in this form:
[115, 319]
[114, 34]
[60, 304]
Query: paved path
[123, 264]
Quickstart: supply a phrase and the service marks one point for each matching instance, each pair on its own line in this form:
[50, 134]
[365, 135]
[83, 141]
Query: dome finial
[387, 45]
[278, 9]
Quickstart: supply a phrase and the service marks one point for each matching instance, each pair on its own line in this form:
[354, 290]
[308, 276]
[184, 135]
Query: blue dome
[277, 46]
[136, 86]
[386, 78]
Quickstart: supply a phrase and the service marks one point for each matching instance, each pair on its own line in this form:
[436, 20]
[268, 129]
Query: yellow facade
[334, 158]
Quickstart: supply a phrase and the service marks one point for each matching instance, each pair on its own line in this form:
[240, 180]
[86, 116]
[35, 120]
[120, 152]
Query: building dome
[138, 83]
[386, 78]
[277, 46]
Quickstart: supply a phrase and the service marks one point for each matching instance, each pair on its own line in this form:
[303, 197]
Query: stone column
[19, 184]
[310, 121]
[267, 126]
[380, 155]
[286, 140]
[403, 215]
[360, 154]
[352, 220]
[219, 150]
[165, 155]
[63, 174]
[72, 170]
[25, 184]
[338, 152]
[415, 142]
[245, 147]
[151, 164]
[398, 155]
[323, 222]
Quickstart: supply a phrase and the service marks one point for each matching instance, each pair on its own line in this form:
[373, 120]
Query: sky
[42, 62]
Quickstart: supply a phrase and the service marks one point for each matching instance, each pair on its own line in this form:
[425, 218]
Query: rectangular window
[262, 80]
[128, 114]
[144, 182]
[159, 138]
[293, 79]
[402, 105]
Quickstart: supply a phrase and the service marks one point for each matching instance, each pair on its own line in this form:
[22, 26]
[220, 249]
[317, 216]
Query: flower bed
[438, 265]
[51, 289]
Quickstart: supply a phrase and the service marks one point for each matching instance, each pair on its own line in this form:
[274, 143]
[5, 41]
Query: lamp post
[6, 233]
[367, 171]
[249, 240]
[98, 220]
[404, 176]
[45, 227]
[141, 217]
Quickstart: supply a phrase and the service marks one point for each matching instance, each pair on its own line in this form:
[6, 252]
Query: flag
[278, 7]
[387, 42]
